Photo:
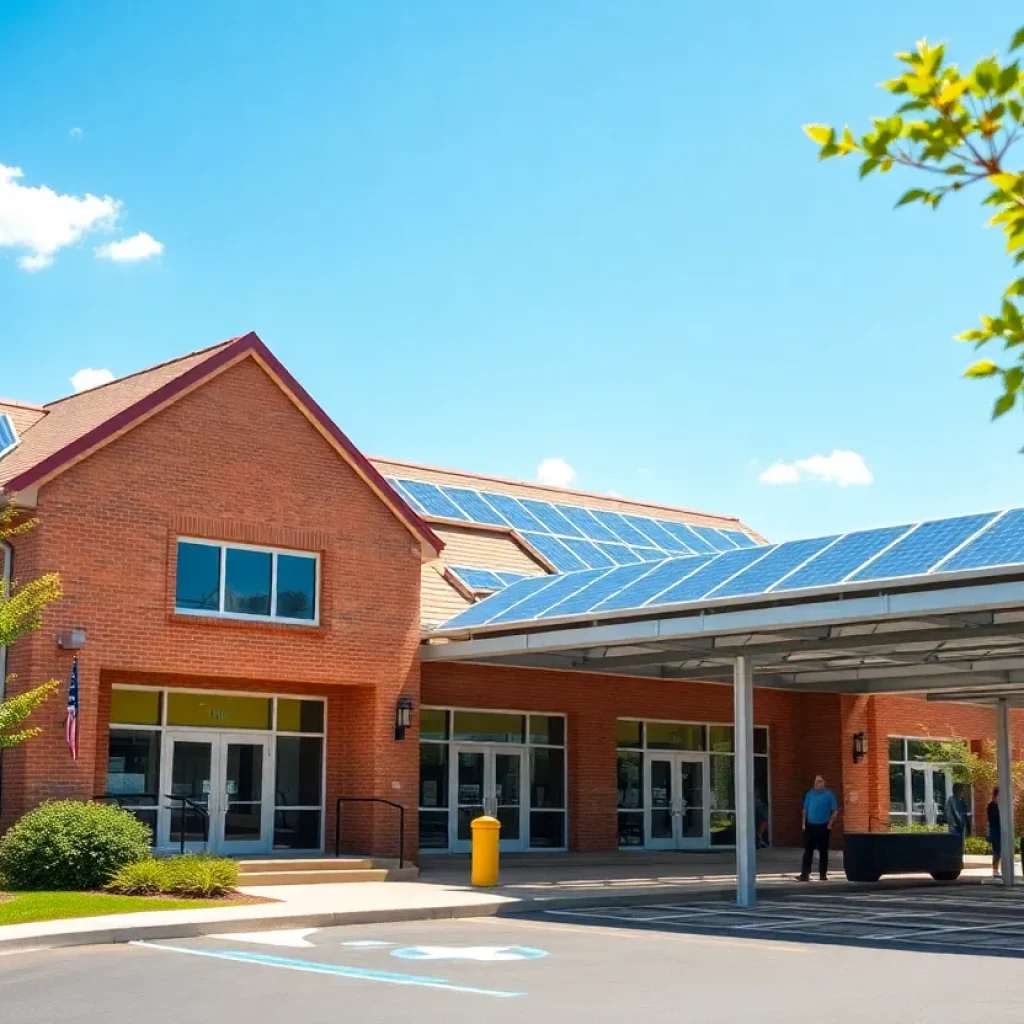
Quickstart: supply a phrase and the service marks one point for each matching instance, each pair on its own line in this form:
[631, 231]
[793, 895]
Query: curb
[513, 908]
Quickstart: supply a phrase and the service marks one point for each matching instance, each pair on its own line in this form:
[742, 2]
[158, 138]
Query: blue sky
[485, 235]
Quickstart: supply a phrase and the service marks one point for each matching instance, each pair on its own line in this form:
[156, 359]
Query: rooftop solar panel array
[486, 579]
[928, 549]
[571, 537]
[8, 435]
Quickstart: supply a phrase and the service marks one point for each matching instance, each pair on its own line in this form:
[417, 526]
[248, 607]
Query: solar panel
[508, 578]
[513, 511]
[712, 537]
[433, 501]
[474, 505]
[535, 603]
[662, 538]
[649, 554]
[661, 577]
[8, 435]
[397, 485]
[552, 519]
[693, 586]
[1002, 543]
[687, 535]
[554, 551]
[936, 547]
[478, 614]
[588, 552]
[739, 538]
[849, 552]
[582, 518]
[769, 569]
[621, 528]
[620, 553]
[478, 579]
[922, 547]
[592, 593]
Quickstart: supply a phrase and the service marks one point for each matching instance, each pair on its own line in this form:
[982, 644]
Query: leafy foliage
[958, 127]
[66, 844]
[21, 611]
[195, 875]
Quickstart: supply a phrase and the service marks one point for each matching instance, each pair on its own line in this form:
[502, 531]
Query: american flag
[71, 723]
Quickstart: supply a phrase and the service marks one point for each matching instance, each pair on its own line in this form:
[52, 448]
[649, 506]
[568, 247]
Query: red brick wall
[109, 524]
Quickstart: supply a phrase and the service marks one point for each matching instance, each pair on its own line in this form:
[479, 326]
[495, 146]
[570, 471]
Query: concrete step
[313, 877]
[261, 866]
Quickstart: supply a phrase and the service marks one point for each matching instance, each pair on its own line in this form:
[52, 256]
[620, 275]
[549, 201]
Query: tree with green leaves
[21, 611]
[956, 130]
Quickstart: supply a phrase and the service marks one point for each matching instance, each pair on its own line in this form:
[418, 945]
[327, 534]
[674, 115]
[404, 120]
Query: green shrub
[143, 878]
[977, 844]
[195, 874]
[200, 875]
[66, 844]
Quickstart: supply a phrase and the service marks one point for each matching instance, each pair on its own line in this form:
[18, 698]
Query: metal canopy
[965, 636]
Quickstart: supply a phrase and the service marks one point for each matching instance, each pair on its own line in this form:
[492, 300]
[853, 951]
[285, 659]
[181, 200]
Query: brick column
[593, 798]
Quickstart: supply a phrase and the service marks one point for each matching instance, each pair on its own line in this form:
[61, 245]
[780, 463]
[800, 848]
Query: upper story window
[243, 582]
[8, 435]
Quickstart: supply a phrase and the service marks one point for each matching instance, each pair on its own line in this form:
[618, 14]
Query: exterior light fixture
[860, 746]
[71, 641]
[403, 716]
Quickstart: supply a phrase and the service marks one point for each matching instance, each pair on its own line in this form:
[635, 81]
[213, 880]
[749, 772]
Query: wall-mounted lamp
[403, 716]
[860, 746]
[72, 641]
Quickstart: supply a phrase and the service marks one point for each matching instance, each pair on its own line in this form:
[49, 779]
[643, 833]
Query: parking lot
[970, 919]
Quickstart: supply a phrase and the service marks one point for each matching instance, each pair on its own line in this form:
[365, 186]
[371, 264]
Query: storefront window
[133, 772]
[218, 711]
[433, 724]
[721, 738]
[547, 777]
[300, 715]
[673, 736]
[135, 707]
[548, 729]
[488, 727]
[630, 734]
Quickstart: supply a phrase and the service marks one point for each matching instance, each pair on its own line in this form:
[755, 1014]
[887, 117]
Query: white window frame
[930, 768]
[272, 733]
[274, 552]
[526, 746]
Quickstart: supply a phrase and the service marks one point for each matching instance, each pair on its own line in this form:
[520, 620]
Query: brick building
[253, 594]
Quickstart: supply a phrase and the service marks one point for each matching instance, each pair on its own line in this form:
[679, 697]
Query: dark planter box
[869, 855]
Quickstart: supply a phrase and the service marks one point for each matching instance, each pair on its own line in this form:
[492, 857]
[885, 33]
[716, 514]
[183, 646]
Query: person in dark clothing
[819, 815]
[995, 833]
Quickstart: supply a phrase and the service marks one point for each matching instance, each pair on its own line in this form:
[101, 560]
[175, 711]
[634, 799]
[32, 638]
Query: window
[237, 581]
[919, 785]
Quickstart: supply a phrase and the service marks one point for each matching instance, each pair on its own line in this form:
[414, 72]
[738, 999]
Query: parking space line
[313, 967]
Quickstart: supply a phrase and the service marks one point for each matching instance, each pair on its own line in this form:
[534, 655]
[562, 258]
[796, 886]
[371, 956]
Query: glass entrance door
[930, 788]
[488, 780]
[677, 801]
[223, 778]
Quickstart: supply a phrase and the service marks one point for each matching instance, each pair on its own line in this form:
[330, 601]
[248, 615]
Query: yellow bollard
[486, 832]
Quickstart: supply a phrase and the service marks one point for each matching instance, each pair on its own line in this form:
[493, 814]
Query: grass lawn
[23, 907]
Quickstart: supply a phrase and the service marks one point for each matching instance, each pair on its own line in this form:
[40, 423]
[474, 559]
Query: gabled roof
[67, 430]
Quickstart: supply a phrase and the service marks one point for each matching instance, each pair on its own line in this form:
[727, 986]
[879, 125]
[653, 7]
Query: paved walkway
[528, 884]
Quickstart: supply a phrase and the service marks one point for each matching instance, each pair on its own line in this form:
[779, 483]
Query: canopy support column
[743, 723]
[1003, 759]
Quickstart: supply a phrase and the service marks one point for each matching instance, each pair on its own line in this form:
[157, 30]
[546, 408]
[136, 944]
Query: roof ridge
[553, 489]
[139, 373]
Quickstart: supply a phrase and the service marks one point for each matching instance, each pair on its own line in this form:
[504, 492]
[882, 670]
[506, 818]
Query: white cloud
[556, 473]
[76, 132]
[41, 221]
[644, 472]
[131, 250]
[845, 468]
[85, 379]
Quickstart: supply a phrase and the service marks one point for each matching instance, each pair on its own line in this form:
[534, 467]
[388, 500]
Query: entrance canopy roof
[935, 606]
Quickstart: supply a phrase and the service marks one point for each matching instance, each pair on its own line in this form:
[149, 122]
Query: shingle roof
[74, 426]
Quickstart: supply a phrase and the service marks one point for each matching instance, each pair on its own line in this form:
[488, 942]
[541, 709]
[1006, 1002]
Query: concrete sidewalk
[528, 884]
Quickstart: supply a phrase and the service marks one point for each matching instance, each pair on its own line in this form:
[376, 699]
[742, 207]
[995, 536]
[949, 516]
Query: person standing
[995, 835]
[956, 812]
[819, 815]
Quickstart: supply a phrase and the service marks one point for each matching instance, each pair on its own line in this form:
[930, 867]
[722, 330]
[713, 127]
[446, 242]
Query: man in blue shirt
[819, 815]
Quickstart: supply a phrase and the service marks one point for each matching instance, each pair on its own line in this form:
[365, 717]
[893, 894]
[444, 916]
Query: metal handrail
[203, 814]
[370, 800]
